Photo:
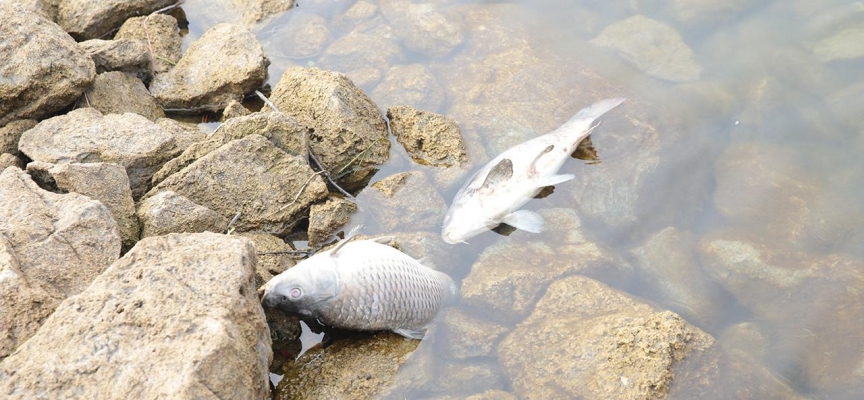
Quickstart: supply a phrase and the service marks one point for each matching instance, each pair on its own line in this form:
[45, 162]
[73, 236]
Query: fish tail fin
[597, 109]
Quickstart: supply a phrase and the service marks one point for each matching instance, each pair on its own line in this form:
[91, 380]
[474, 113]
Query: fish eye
[295, 293]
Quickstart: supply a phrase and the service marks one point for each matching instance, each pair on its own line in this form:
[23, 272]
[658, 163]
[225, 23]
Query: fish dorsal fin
[499, 173]
[353, 232]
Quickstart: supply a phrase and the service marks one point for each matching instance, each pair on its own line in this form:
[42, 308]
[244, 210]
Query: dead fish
[362, 285]
[494, 194]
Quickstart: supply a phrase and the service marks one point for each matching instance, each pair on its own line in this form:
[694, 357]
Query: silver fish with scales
[494, 194]
[362, 285]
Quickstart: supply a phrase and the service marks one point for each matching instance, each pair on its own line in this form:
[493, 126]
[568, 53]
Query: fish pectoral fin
[414, 334]
[499, 173]
[554, 180]
[525, 220]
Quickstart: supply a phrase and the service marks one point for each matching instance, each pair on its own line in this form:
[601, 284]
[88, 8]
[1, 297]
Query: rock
[298, 36]
[50, 70]
[163, 35]
[454, 378]
[354, 368]
[85, 135]
[809, 301]
[185, 133]
[233, 110]
[422, 28]
[667, 263]
[327, 217]
[360, 50]
[654, 47]
[349, 134]
[10, 160]
[53, 245]
[269, 265]
[430, 138]
[507, 279]
[699, 13]
[91, 21]
[118, 93]
[466, 336]
[585, 340]
[198, 82]
[493, 395]
[176, 317]
[365, 77]
[168, 212]
[283, 131]
[768, 190]
[11, 134]
[47, 9]
[406, 201]
[845, 45]
[257, 10]
[104, 182]
[834, 19]
[251, 176]
[125, 55]
[410, 85]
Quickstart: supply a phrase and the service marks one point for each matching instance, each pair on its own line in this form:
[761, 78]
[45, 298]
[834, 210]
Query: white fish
[495, 193]
[362, 285]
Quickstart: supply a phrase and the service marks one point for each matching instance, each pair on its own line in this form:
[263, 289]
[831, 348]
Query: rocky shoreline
[132, 243]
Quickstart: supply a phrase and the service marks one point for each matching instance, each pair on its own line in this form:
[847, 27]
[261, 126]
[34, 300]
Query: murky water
[729, 183]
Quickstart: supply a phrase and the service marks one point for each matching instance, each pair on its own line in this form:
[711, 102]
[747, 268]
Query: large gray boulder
[51, 247]
[268, 187]
[197, 82]
[431, 139]
[105, 182]
[177, 317]
[117, 92]
[50, 70]
[11, 134]
[349, 134]
[127, 55]
[87, 20]
[162, 34]
[283, 131]
[168, 212]
[85, 136]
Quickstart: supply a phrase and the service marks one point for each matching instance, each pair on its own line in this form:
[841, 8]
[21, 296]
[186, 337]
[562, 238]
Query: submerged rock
[104, 182]
[52, 246]
[50, 70]
[430, 138]
[257, 10]
[85, 135]
[423, 28]
[119, 93]
[410, 85]
[360, 50]
[813, 299]
[698, 13]
[349, 134]
[86, 20]
[125, 55]
[169, 212]
[298, 36]
[176, 317]
[269, 188]
[586, 340]
[327, 217]
[466, 336]
[198, 81]
[406, 201]
[355, 368]
[162, 34]
[846, 44]
[283, 131]
[654, 47]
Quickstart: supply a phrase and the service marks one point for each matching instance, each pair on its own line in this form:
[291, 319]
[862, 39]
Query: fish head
[464, 220]
[304, 289]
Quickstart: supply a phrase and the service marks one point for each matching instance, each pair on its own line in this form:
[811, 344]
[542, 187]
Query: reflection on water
[729, 188]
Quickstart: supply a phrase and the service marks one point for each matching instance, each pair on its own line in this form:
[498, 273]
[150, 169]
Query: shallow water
[755, 141]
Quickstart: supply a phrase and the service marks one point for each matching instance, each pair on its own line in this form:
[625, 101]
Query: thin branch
[308, 150]
[357, 156]
[171, 7]
[230, 228]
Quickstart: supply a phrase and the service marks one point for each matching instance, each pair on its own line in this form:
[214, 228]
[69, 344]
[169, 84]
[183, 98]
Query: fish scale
[363, 285]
